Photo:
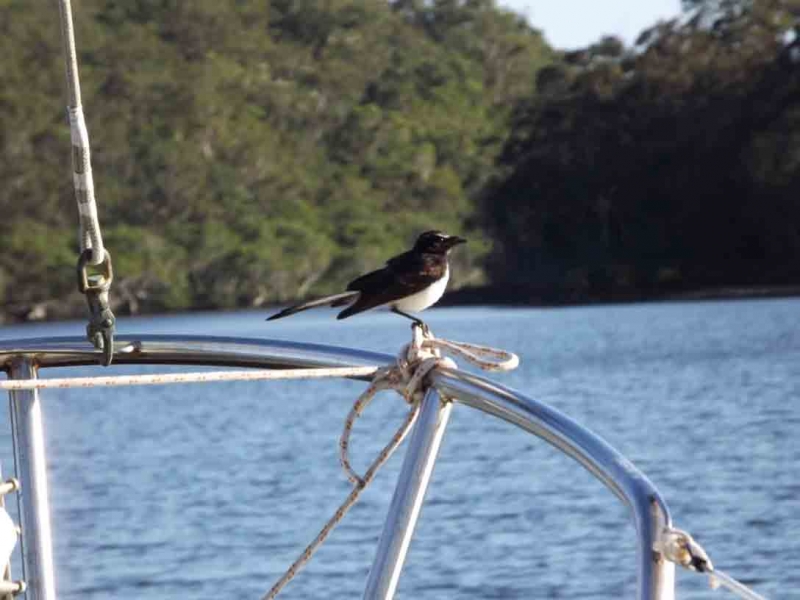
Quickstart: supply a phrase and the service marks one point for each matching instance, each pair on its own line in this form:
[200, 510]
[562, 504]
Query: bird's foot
[426, 331]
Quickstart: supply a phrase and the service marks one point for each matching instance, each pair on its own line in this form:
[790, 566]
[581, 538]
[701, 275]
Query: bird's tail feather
[334, 300]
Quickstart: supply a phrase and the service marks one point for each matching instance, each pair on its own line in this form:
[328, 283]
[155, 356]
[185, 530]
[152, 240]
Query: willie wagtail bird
[411, 281]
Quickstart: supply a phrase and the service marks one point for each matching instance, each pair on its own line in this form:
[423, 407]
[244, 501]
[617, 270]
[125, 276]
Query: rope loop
[409, 378]
[679, 547]
[483, 357]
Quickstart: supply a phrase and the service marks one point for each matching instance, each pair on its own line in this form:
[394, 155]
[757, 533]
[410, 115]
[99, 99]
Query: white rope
[90, 236]
[679, 547]
[169, 378]
[83, 181]
[719, 578]
[484, 357]
[408, 378]
[348, 503]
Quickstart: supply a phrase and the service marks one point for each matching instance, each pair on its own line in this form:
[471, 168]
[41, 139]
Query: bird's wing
[402, 276]
[371, 281]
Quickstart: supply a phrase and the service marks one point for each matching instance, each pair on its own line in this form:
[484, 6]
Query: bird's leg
[418, 322]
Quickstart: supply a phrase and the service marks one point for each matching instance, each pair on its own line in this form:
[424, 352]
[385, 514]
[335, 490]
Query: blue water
[211, 491]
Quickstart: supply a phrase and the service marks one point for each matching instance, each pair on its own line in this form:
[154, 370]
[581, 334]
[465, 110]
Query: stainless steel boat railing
[21, 359]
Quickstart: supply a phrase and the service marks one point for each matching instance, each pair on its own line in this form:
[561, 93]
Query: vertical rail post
[7, 568]
[656, 572]
[656, 576]
[423, 447]
[31, 467]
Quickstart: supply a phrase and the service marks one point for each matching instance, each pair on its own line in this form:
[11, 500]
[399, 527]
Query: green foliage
[247, 152]
[675, 165]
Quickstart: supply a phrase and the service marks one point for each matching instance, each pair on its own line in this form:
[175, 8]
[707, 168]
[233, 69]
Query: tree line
[668, 167]
[253, 152]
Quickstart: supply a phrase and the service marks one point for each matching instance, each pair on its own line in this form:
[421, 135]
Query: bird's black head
[437, 242]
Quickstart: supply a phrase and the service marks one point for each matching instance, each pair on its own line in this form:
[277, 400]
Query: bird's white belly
[422, 300]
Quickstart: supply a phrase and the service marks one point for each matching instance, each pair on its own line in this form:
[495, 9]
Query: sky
[577, 23]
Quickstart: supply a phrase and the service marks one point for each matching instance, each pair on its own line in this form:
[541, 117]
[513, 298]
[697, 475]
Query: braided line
[408, 378]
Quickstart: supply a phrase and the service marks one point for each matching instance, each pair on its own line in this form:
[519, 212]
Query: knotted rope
[408, 377]
[679, 547]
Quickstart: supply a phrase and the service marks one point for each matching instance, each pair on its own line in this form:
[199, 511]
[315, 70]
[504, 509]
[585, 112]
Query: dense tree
[670, 166]
[247, 152]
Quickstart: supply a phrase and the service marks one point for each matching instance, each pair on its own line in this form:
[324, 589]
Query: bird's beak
[454, 240]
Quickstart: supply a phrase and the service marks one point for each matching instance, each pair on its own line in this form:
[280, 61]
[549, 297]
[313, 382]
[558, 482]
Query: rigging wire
[90, 235]
[100, 329]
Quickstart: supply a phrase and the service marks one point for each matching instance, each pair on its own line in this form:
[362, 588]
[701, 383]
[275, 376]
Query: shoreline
[499, 296]
[490, 295]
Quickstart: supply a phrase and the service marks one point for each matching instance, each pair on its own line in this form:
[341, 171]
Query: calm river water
[210, 491]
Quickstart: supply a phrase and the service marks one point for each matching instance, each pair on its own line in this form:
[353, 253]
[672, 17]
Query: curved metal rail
[188, 350]
[22, 358]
